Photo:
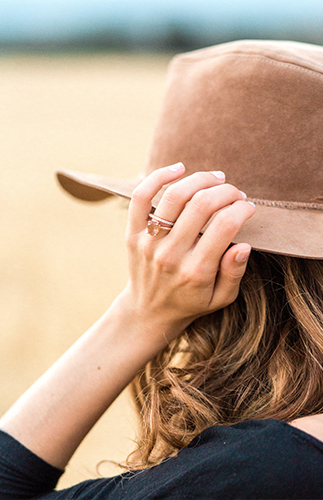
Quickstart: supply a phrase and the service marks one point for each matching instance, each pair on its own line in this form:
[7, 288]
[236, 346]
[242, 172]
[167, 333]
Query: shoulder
[260, 459]
[312, 425]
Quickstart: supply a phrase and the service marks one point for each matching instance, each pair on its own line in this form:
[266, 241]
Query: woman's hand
[179, 275]
[174, 277]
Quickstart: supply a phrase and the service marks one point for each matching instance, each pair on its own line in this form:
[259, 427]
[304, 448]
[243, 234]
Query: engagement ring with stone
[156, 224]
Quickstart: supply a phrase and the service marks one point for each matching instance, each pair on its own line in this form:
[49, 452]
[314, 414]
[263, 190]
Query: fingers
[191, 202]
[177, 195]
[140, 205]
[205, 274]
[232, 268]
[220, 233]
[198, 212]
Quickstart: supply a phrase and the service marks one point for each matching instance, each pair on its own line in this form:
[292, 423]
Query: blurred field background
[81, 83]
[63, 261]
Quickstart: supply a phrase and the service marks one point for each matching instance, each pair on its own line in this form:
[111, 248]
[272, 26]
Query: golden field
[63, 261]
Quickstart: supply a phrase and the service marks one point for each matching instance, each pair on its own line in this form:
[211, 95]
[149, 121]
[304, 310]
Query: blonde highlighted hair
[260, 357]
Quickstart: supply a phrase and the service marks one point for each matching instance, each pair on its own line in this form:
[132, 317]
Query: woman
[227, 358]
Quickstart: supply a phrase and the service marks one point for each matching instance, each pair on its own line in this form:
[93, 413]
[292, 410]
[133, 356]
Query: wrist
[147, 330]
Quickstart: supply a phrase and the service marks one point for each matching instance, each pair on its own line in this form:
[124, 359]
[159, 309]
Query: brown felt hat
[253, 109]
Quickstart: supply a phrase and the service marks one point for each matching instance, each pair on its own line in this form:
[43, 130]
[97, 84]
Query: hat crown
[253, 109]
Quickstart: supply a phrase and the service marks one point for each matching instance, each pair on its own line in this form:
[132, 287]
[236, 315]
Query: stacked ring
[155, 224]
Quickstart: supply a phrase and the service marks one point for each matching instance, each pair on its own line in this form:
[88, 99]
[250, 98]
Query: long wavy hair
[260, 357]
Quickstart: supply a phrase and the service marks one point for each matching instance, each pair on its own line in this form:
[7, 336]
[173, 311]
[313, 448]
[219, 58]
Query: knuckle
[192, 276]
[165, 261]
[196, 274]
[146, 249]
[130, 243]
[138, 193]
[201, 200]
[131, 239]
[234, 278]
[227, 222]
[172, 194]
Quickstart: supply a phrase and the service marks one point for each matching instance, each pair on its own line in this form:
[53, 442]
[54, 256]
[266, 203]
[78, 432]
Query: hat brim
[292, 232]
[92, 187]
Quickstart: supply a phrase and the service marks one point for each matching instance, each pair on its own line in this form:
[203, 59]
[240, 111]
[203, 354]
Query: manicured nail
[176, 167]
[219, 174]
[243, 194]
[242, 256]
[251, 203]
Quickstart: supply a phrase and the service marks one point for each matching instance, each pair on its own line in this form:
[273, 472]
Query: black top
[261, 459]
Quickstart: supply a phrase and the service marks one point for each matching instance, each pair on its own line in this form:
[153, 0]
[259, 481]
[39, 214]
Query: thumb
[232, 268]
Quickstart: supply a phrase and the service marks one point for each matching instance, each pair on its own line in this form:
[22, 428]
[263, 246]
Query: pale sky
[51, 18]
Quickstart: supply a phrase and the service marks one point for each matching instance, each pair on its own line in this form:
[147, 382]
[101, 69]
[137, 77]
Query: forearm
[55, 414]
[172, 281]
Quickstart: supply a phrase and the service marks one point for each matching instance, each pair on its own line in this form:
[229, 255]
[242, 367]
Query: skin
[174, 278]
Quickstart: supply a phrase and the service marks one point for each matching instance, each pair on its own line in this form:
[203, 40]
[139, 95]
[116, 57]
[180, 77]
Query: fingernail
[176, 167]
[243, 194]
[218, 174]
[251, 203]
[242, 256]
